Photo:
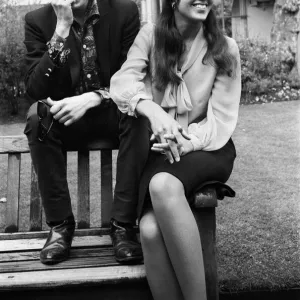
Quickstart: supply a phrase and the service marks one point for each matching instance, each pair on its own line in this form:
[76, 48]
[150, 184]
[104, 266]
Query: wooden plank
[83, 200]
[67, 278]
[44, 234]
[71, 263]
[135, 290]
[14, 144]
[75, 253]
[206, 221]
[13, 189]
[35, 204]
[37, 244]
[19, 144]
[106, 187]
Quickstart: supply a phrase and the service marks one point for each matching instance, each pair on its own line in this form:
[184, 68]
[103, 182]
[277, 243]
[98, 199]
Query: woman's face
[193, 10]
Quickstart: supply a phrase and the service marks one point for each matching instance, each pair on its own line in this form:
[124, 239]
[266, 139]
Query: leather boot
[58, 244]
[126, 246]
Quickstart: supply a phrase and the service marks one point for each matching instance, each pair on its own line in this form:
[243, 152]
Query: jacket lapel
[102, 40]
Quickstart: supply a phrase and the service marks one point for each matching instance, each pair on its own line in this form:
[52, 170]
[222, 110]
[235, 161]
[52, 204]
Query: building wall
[260, 22]
[239, 22]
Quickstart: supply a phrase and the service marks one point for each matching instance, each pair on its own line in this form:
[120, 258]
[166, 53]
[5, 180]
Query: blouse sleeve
[131, 83]
[214, 131]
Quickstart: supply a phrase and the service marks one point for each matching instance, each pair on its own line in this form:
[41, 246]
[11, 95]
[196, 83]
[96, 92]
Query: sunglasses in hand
[45, 122]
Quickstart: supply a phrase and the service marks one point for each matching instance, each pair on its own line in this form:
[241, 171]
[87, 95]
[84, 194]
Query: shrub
[266, 67]
[291, 6]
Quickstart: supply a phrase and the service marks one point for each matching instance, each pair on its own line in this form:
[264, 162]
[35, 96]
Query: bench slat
[83, 201]
[35, 204]
[13, 189]
[14, 144]
[106, 187]
[43, 234]
[71, 263]
[19, 144]
[37, 244]
[35, 255]
[57, 278]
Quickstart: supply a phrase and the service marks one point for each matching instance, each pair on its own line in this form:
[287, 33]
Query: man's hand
[70, 110]
[64, 14]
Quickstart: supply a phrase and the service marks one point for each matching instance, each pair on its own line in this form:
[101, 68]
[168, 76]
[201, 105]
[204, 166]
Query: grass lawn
[258, 231]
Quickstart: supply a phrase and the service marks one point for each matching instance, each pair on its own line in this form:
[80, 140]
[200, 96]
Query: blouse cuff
[128, 99]
[133, 103]
[196, 142]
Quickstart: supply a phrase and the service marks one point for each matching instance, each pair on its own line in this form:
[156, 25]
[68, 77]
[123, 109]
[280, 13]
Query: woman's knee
[149, 230]
[165, 186]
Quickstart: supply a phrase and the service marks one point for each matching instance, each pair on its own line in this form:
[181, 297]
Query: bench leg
[206, 221]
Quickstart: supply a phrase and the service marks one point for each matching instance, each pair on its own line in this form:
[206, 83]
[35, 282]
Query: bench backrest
[15, 146]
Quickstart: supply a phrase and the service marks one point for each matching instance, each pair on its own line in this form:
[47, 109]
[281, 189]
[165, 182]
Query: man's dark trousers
[105, 121]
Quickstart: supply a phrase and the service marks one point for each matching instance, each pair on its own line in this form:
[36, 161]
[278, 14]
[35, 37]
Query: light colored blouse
[205, 103]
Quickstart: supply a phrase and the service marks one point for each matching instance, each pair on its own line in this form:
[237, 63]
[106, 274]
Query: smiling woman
[184, 76]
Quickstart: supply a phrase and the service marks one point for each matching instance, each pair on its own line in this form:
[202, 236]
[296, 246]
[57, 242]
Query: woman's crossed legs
[171, 243]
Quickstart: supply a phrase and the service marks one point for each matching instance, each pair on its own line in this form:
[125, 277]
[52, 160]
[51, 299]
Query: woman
[184, 76]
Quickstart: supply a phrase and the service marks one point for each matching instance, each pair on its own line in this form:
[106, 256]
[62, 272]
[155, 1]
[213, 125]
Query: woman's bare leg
[180, 234]
[160, 273]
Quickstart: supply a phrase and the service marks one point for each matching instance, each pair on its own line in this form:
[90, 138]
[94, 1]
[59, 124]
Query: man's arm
[130, 30]
[45, 59]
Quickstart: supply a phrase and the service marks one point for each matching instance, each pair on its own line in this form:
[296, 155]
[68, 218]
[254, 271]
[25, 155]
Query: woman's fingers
[152, 138]
[164, 146]
[174, 150]
[183, 132]
[159, 150]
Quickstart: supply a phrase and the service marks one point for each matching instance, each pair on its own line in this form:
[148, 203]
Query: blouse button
[88, 76]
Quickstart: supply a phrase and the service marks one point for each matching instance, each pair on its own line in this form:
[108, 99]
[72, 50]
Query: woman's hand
[163, 124]
[184, 145]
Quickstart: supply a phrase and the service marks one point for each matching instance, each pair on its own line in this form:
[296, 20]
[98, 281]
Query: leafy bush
[266, 68]
[291, 6]
[11, 57]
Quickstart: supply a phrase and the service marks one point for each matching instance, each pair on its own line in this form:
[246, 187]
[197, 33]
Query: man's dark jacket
[114, 33]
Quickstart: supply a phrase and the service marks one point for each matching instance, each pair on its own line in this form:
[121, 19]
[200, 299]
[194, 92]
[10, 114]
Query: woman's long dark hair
[169, 46]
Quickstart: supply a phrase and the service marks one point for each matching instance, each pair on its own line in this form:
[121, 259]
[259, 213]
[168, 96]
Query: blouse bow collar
[177, 100]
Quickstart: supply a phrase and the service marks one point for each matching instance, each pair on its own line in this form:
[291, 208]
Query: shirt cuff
[56, 50]
[105, 95]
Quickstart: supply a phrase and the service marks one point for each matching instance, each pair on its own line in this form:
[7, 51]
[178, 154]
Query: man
[73, 49]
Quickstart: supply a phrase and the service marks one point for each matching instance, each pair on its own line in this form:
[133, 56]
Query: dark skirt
[194, 170]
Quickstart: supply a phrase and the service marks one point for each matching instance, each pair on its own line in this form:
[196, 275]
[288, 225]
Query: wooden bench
[91, 270]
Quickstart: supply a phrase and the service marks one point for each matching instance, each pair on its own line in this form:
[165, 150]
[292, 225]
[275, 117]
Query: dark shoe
[58, 244]
[126, 246]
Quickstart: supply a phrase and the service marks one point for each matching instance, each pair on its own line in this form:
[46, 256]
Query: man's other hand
[70, 110]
